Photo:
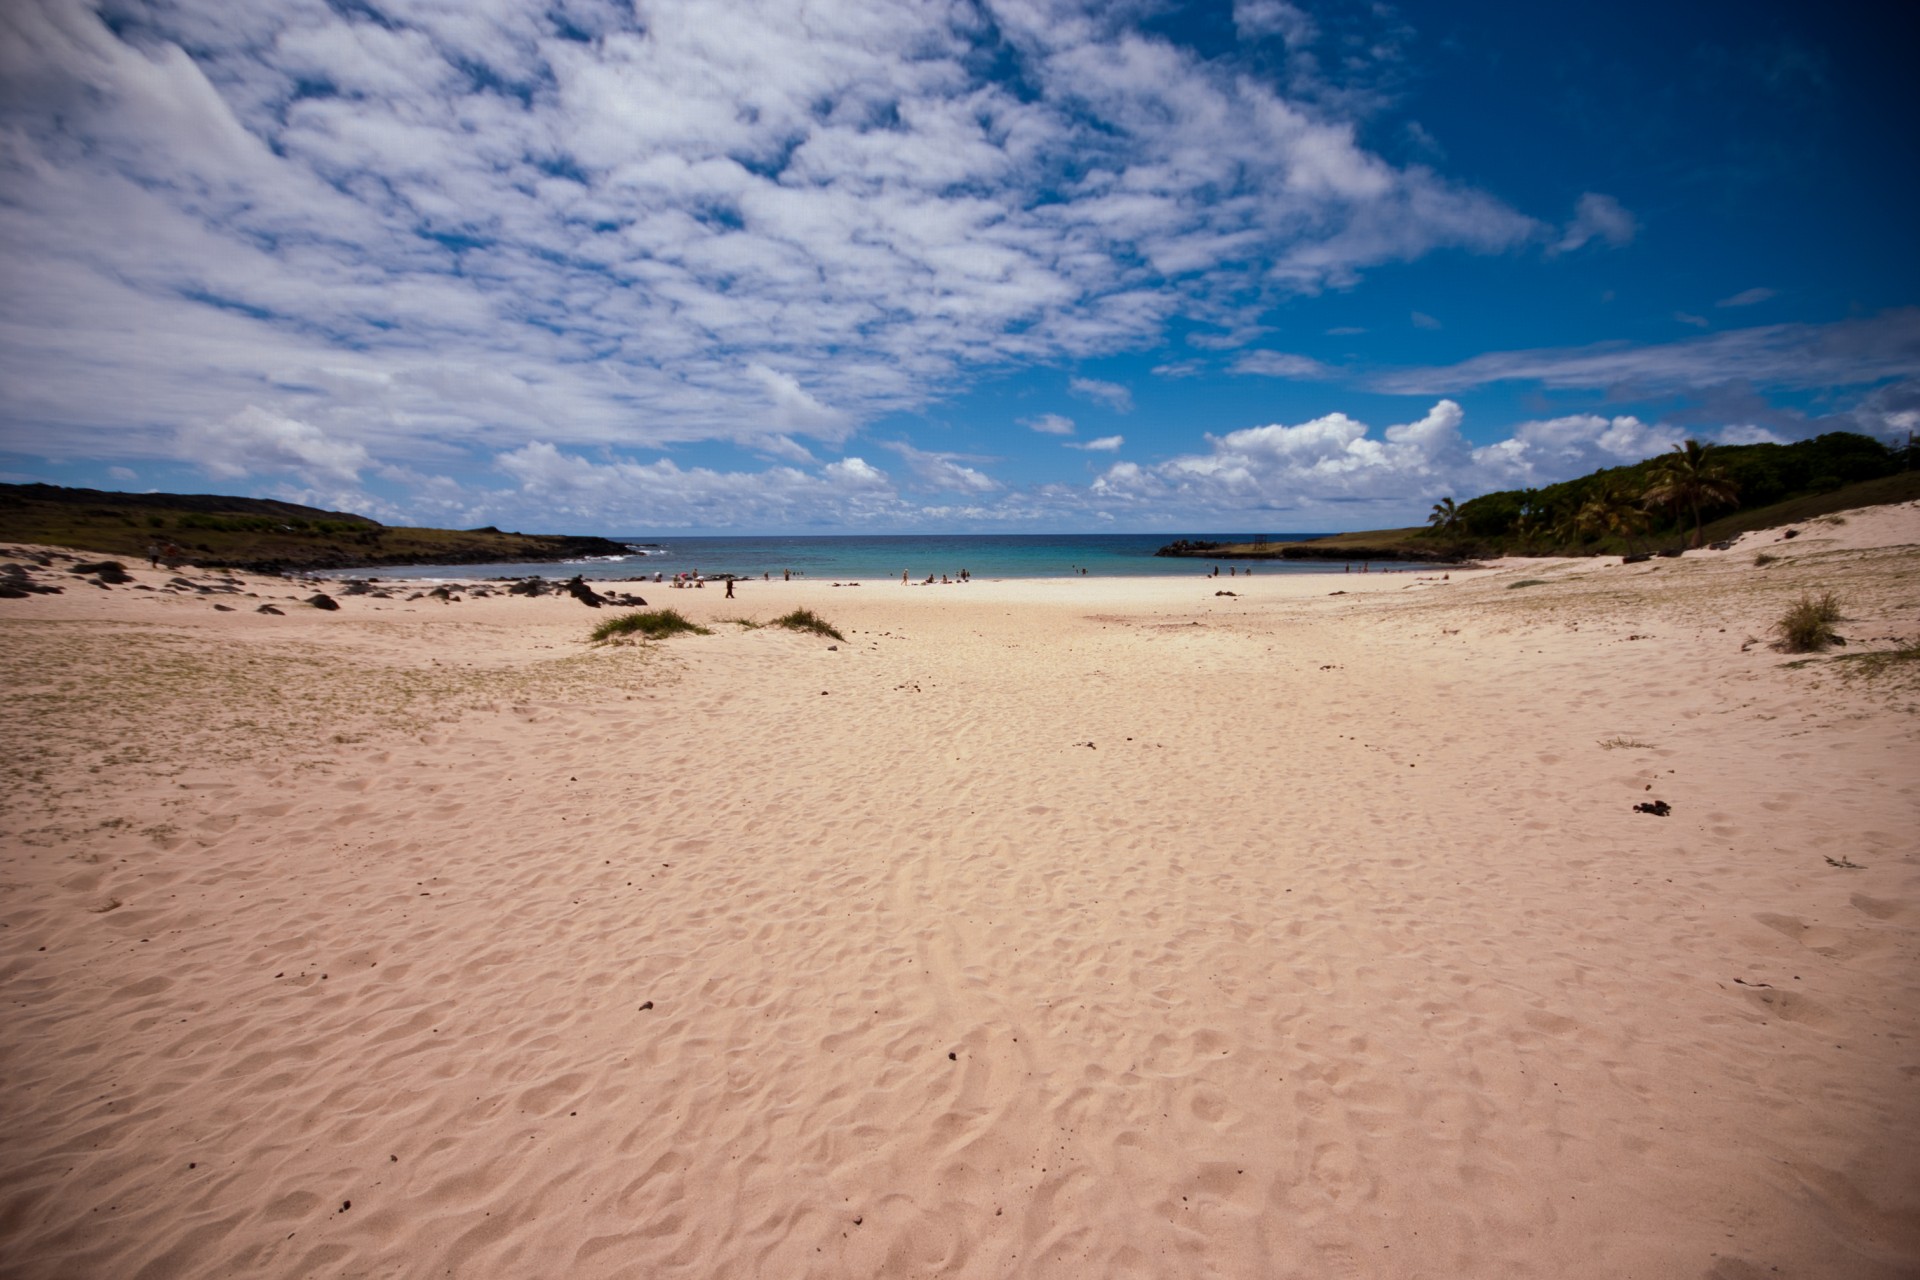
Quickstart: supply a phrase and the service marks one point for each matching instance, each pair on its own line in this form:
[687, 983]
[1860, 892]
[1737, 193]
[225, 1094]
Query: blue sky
[900, 265]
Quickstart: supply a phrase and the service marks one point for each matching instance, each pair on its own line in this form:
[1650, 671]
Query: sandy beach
[1038, 928]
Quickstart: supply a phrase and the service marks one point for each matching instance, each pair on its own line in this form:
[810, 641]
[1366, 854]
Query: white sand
[1071, 928]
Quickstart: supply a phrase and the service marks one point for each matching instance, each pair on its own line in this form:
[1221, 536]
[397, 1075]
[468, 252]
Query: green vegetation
[1623, 744]
[217, 531]
[653, 624]
[1670, 496]
[806, 620]
[1808, 626]
[1527, 582]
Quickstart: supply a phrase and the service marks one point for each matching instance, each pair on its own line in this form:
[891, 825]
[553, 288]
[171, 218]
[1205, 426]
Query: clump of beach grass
[652, 624]
[1807, 627]
[806, 620]
[1761, 559]
[1622, 744]
[1527, 582]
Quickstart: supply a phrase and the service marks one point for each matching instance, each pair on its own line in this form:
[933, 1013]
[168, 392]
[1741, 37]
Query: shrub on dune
[1808, 626]
[806, 620]
[652, 624]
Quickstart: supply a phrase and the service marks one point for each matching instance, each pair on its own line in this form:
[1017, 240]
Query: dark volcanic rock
[321, 600]
[1188, 547]
[579, 590]
[106, 570]
[267, 608]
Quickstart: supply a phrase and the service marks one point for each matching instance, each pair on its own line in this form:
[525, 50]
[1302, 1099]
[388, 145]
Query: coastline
[1042, 926]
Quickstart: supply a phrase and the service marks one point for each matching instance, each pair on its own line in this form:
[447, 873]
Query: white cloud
[1112, 394]
[1844, 353]
[1105, 444]
[1278, 364]
[785, 448]
[1313, 468]
[1421, 320]
[1748, 433]
[459, 228]
[1050, 424]
[1254, 19]
[562, 488]
[1747, 297]
[1542, 451]
[255, 441]
[1335, 472]
[943, 471]
[791, 407]
[1598, 217]
[1687, 317]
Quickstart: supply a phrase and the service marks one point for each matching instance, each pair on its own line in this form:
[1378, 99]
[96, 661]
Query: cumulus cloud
[1305, 468]
[1545, 450]
[1050, 424]
[1112, 394]
[441, 231]
[255, 441]
[1105, 444]
[1598, 217]
[1278, 364]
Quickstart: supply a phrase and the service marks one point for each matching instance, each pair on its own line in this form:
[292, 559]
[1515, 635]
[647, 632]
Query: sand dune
[1038, 928]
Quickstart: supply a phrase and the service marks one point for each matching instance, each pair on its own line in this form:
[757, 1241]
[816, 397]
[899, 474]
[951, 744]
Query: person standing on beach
[729, 588]
[903, 577]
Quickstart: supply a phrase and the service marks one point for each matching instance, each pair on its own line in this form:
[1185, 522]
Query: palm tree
[1689, 478]
[1610, 511]
[1445, 517]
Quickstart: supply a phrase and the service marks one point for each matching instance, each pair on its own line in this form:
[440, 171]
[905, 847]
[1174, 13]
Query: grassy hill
[258, 533]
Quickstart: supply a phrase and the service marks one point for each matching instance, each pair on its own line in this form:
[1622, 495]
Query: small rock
[321, 600]
[267, 608]
[1658, 808]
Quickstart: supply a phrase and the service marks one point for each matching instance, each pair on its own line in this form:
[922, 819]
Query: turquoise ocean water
[845, 557]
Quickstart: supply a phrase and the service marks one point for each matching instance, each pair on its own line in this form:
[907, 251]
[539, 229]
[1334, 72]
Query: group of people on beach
[906, 579]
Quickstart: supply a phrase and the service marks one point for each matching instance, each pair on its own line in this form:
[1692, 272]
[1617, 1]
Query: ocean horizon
[863, 556]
